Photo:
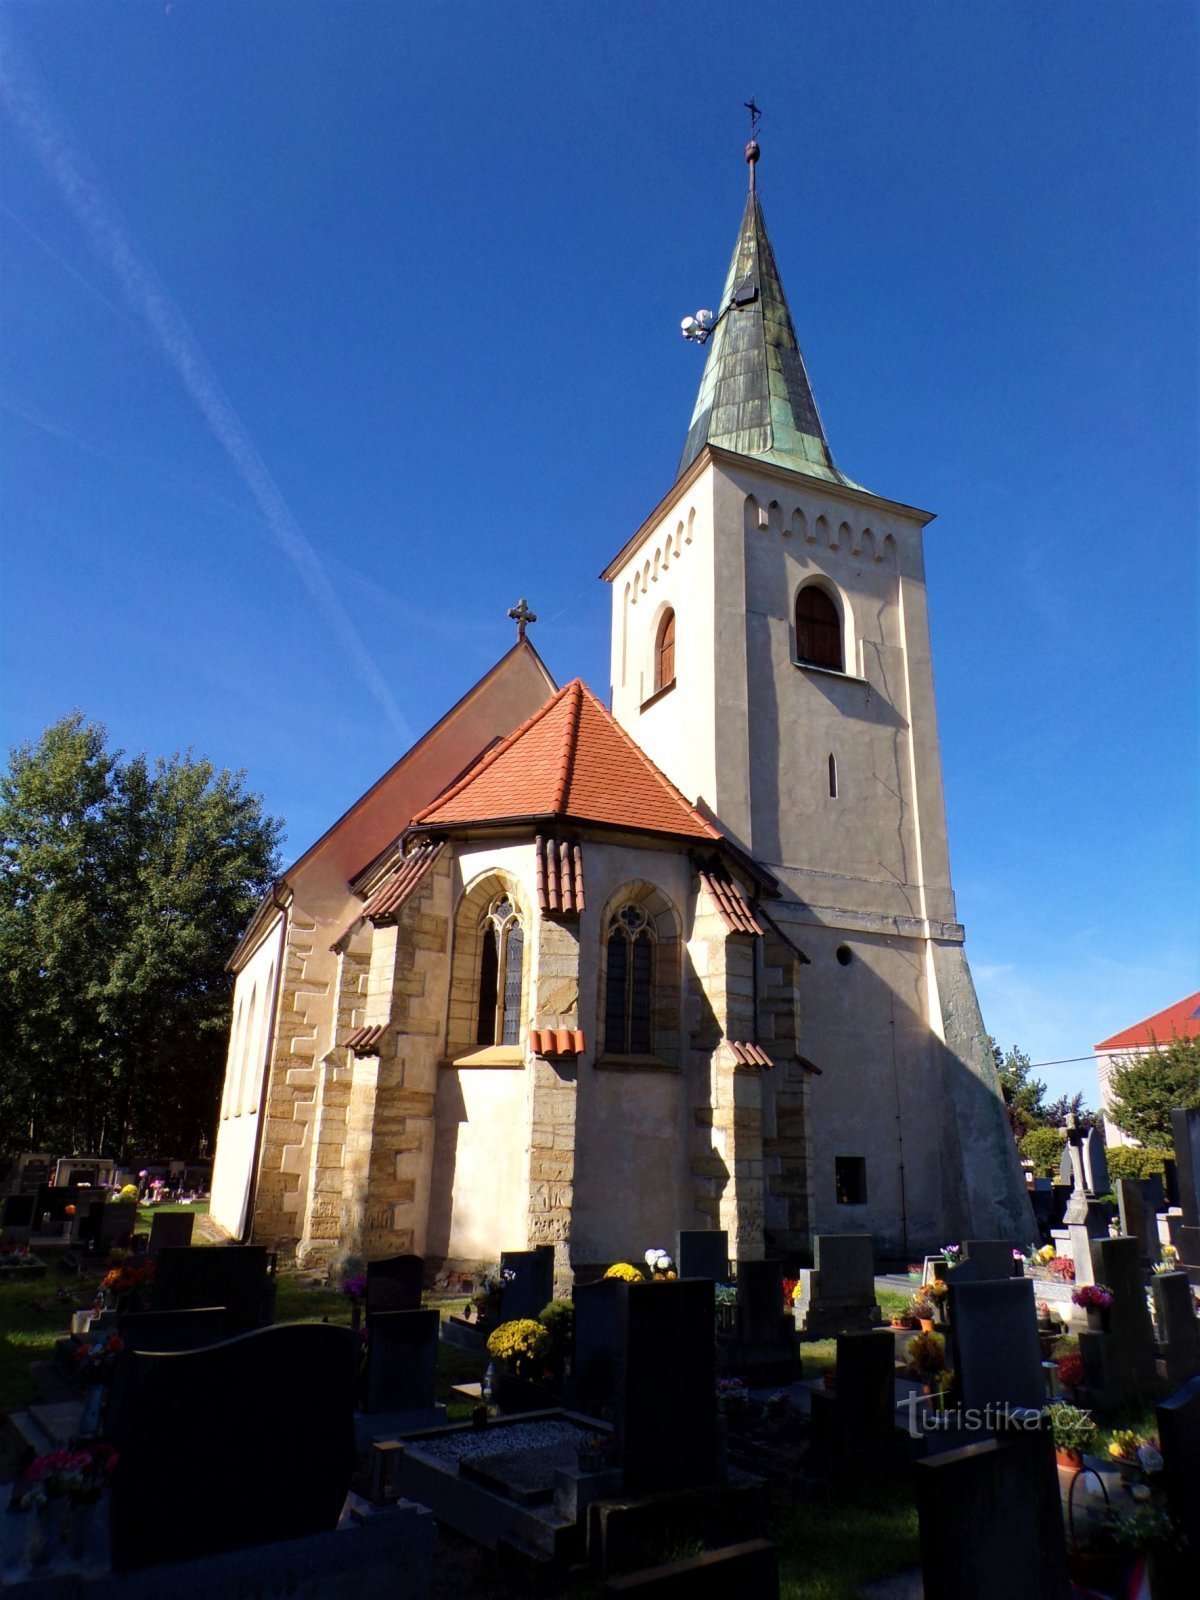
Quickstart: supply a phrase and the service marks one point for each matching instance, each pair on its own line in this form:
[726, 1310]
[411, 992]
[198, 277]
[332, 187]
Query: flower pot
[1097, 1319]
[926, 1324]
[1071, 1459]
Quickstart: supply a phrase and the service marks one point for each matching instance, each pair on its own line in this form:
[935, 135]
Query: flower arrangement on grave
[520, 1347]
[355, 1288]
[732, 1394]
[626, 1273]
[485, 1301]
[1092, 1297]
[94, 1361]
[1060, 1268]
[1071, 1427]
[128, 1192]
[725, 1294]
[926, 1359]
[128, 1281]
[1168, 1260]
[952, 1253]
[921, 1306]
[69, 1211]
[790, 1286]
[17, 1256]
[1069, 1367]
[1132, 1449]
[937, 1290]
[661, 1266]
[1147, 1527]
[558, 1319]
[79, 1475]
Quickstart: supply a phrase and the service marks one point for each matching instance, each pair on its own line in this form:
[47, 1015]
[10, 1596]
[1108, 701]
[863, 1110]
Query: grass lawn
[146, 1215]
[829, 1546]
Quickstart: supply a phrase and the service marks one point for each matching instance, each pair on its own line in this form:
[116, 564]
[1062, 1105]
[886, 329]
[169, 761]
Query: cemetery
[1004, 1417]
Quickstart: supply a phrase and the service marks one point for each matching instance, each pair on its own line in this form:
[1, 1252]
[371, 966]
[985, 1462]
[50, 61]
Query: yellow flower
[626, 1273]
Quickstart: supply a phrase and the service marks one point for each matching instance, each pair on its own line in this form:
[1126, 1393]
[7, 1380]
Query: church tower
[770, 652]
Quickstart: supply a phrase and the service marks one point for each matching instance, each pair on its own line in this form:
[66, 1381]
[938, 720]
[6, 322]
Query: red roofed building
[1180, 1021]
[585, 977]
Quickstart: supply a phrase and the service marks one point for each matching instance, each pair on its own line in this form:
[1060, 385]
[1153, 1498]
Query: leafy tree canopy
[123, 887]
[1146, 1088]
[1025, 1098]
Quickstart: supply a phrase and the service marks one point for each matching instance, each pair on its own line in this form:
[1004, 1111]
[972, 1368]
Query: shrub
[626, 1273]
[129, 1191]
[558, 1319]
[1128, 1161]
[1072, 1428]
[1044, 1148]
[521, 1347]
[927, 1356]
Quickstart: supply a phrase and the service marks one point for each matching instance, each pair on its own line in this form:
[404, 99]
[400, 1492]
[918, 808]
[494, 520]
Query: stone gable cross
[522, 616]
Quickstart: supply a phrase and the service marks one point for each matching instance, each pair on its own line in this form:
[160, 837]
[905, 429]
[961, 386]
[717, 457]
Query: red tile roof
[559, 876]
[731, 901]
[570, 759]
[402, 882]
[750, 1055]
[1182, 1021]
[556, 1042]
[365, 1041]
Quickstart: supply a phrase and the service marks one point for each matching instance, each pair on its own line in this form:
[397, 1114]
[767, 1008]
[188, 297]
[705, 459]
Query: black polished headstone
[235, 1276]
[1185, 1133]
[1171, 1180]
[991, 1520]
[16, 1211]
[703, 1253]
[1154, 1195]
[665, 1414]
[171, 1230]
[993, 1258]
[1179, 1437]
[112, 1225]
[267, 1421]
[997, 1354]
[1134, 1221]
[160, 1331]
[402, 1352]
[531, 1287]
[854, 1424]
[1177, 1326]
[761, 1319]
[394, 1283]
[593, 1347]
[1118, 1363]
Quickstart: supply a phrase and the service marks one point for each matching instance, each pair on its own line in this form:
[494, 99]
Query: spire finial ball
[752, 151]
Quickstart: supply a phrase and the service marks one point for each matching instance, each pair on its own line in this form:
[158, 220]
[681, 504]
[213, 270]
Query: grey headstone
[268, 1421]
[1171, 1180]
[402, 1352]
[594, 1344]
[1185, 1132]
[993, 1257]
[855, 1425]
[1095, 1162]
[761, 1318]
[394, 1284]
[1065, 1170]
[160, 1331]
[170, 1230]
[703, 1253]
[531, 1287]
[1134, 1221]
[846, 1262]
[997, 1354]
[1177, 1325]
[991, 1520]
[235, 1276]
[1179, 1436]
[1118, 1364]
[665, 1409]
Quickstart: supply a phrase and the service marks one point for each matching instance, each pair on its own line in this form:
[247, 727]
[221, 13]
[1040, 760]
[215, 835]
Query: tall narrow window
[501, 965]
[818, 629]
[629, 991]
[832, 776]
[664, 653]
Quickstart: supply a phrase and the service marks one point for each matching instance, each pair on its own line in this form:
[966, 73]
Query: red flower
[1070, 1370]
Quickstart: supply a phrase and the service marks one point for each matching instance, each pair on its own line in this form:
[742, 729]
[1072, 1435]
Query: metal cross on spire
[755, 115]
[522, 616]
[752, 147]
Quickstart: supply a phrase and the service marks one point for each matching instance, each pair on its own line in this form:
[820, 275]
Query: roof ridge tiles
[570, 742]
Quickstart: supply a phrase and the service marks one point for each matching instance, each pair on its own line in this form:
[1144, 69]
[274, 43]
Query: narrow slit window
[501, 971]
[850, 1180]
[818, 630]
[832, 777]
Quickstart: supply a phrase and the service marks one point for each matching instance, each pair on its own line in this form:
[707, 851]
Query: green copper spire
[755, 397]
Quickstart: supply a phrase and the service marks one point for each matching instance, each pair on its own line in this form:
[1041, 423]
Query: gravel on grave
[494, 1439]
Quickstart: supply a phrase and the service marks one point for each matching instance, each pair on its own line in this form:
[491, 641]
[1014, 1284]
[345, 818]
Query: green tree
[123, 887]
[1145, 1089]
[1023, 1094]
[1044, 1147]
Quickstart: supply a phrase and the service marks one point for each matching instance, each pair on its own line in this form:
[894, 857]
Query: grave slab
[402, 1351]
[1118, 1363]
[703, 1253]
[664, 1403]
[1134, 1221]
[170, 1229]
[1185, 1134]
[838, 1294]
[997, 1355]
[531, 1286]
[394, 1283]
[992, 1257]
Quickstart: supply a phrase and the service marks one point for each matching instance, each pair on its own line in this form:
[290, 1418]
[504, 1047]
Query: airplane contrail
[30, 109]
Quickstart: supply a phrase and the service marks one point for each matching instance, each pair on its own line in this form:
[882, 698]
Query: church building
[577, 976]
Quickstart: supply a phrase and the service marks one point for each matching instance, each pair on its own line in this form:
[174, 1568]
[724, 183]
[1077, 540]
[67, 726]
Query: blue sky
[329, 329]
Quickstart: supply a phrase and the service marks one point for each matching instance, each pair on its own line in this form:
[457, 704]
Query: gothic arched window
[664, 652]
[629, 990]
[818, 629]
[500, 971]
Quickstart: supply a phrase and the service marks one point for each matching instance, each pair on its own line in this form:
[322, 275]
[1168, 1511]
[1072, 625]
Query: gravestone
[703, 1253]
[593, 1347]
[997, 1354]
[531, 1286]
[394, 1284]
[16, 1218]
[854, 1424]
[161, 1331]
[838, 1294]
[992, 1257]
[262, 1464]
[764, 1343]
[170, 1230]
[1134, 1221]
[1179, 1437]
[1177, 1326]
[991, 1519]
[1095, 1162]
[1185, 1133]
[1154, 1195]
[1118, 1363]
[50, 1208]
[402, 1351]
[109, 1225]
[235, 1276]
[1060, 1194]
[664, 1403]
[1171, 1180]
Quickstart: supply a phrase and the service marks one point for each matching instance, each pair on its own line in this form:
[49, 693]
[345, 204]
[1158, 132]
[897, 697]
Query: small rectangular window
[850, 1180]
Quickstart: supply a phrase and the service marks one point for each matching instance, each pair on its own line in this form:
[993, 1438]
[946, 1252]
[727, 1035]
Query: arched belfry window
[664, 652]
[818, 630]
[501, 964]
[629, 991]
